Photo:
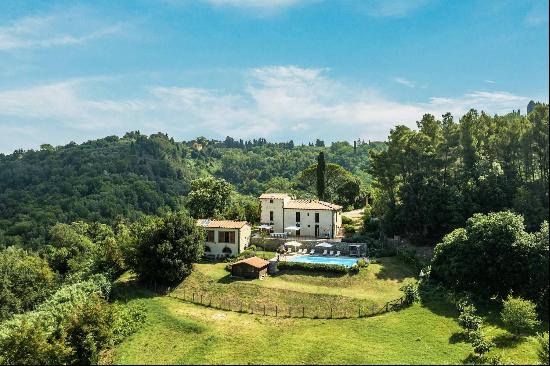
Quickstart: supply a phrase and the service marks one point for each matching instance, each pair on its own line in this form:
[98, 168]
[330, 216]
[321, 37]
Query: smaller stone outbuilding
[253, 267]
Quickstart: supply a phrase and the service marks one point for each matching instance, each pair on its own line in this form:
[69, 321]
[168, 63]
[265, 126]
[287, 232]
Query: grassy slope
[177, 332]
[180, 333]
[374, 286]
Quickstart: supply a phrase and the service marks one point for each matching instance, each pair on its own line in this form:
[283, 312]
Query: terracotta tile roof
[274, 195]
[312, 205]
[254, 262]
[221, 224]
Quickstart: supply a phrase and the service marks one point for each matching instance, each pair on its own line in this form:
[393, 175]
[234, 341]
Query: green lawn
[176, 332]
[317, 292]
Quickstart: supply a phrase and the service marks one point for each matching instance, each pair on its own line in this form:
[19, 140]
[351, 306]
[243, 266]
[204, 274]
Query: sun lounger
[325, 252]
[338, 253]
[300, 251]
[312, 251]
[331, 252]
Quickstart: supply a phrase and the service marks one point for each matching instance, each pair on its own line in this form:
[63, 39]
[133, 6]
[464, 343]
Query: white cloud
[490, 82]
[278, 102]
[404, 81]
[255, 3]
[51, 31]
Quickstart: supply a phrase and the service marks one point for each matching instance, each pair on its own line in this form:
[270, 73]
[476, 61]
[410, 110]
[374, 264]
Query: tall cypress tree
[321, 175]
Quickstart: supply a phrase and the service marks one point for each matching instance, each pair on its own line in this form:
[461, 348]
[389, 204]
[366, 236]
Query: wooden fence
[274, 310]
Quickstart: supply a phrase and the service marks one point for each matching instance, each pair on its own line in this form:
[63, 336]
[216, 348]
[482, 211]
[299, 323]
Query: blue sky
[280, 69]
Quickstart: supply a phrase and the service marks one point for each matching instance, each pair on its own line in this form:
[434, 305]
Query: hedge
[314, 267]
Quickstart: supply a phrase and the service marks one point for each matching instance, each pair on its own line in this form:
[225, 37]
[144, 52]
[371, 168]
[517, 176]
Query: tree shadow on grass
[458, 337]
[393, 269]
[131, 289]
[508, 340]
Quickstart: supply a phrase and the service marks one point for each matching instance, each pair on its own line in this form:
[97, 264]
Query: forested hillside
[113, 178]
[431, 180]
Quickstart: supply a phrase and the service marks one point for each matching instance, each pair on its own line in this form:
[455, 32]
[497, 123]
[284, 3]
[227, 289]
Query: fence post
[386, 307]
[264, 309]
[201, 298]
[241, 306]
[276, 310]
[290, 312]
[331, 312]
[303, 311]
[193, 297]
[359, 311]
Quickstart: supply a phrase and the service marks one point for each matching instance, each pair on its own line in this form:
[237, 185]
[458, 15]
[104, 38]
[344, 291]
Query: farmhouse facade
[225, 237]
[313, 218]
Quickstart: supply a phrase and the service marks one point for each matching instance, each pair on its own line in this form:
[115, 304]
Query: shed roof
[254, 262]
[221, 224]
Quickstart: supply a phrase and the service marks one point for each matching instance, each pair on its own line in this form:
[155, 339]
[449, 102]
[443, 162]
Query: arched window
[227, 251]
[207, 249]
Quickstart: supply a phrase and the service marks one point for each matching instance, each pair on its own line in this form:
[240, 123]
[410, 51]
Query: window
[270, 201]
[297, 217]
[210, 236]
[226, 236]
[316, 216]
[270, 215]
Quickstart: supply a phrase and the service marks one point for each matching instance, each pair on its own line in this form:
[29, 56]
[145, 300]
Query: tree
[477, 258]
[321, 167]
[25, 281]
[519, 315]
[31, 345]
[209, 197]
[166, 248]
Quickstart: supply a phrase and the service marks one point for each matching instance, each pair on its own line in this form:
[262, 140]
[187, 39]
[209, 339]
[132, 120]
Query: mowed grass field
[177, 332]
[370, 289]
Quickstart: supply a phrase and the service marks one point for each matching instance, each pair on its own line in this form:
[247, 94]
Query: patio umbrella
[293, 243]
[264, 226]
[324, 245]
[294, 228]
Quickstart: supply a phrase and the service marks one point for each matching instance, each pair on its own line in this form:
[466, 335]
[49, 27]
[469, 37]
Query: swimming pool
[346, 262]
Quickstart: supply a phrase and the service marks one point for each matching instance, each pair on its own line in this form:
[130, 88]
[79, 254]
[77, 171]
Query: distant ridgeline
[112, 178]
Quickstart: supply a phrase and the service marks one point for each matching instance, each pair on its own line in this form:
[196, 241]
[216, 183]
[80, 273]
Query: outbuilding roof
[221, 224]
[254, 262]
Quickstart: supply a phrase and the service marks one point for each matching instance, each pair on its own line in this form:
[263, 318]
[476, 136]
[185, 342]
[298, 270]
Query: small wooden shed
[253, 267]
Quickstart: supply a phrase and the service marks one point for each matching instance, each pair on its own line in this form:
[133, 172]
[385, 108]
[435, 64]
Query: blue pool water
[346, 262]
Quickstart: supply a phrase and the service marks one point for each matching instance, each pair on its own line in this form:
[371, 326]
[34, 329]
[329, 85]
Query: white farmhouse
[225, 237]
[314, 218]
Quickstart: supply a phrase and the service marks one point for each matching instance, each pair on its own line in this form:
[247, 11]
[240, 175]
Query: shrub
[362, 263]
[314, 267]
[468, 318]
[542, 349]
[479, 342]
[349, 228]
[519, 315]
[346, 220]
[410, 291]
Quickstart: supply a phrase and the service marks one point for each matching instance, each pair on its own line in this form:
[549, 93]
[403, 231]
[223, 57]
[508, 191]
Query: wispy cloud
[490, 82]
[277, 102]
[394, 8]
[404, 81]
[51, 31]
[260, 7]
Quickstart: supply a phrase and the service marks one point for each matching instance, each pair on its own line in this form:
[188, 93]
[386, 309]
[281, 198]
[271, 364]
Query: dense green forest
[112, 178]
[431, 180]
